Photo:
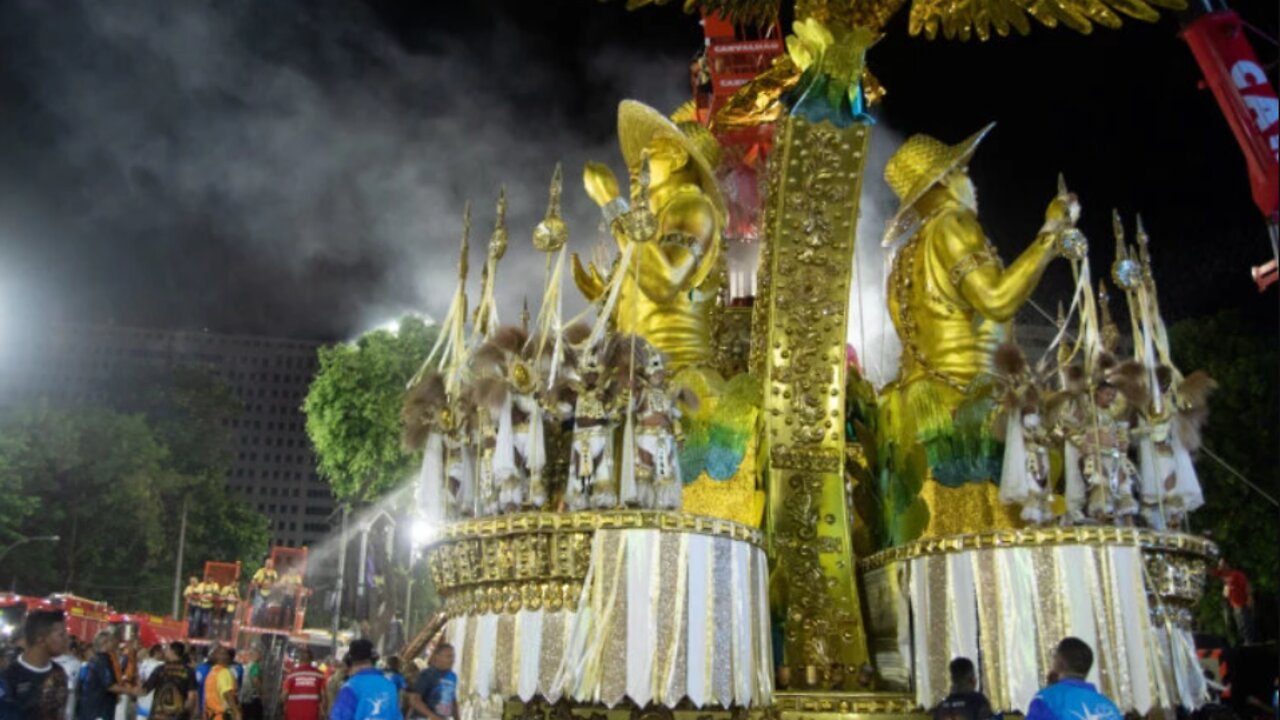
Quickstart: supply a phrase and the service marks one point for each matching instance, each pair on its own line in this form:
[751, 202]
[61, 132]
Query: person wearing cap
[368, 694]
[952, 301]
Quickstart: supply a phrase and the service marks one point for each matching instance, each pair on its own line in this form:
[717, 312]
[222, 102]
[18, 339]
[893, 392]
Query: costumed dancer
[658, 417]
[506, 384]
[1178, 406]
[434, 418]
[1024, 478]
[592, 480]
[1099, 430]
[424, 416]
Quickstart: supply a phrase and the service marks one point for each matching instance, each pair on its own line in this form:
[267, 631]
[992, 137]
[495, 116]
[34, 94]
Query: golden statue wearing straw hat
[952, 301]
[672, 224]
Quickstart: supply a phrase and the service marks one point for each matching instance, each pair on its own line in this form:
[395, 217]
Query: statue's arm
[975, 271]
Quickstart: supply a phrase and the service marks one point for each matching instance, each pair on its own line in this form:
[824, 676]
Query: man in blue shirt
[434, 695]
[202, 674]
[1071, 697]
[368, 694]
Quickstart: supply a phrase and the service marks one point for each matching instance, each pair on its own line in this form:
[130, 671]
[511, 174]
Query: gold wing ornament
[950, 19]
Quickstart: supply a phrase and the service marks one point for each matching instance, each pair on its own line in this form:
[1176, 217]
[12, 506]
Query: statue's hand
[601, 183]
[1060, 223]
[1063, 212]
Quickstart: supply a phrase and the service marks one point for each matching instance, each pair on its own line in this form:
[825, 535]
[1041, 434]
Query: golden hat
[639, 125]
[919, 164]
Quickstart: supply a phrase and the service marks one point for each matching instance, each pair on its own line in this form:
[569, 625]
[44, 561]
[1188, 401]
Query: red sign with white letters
[1246, 97]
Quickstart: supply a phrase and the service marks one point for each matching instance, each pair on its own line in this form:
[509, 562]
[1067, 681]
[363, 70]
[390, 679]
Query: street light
[25, 540]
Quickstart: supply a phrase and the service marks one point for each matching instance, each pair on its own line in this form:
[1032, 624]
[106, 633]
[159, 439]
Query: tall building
[273, 469]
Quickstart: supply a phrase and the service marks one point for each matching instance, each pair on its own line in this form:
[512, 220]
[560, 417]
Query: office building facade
[272, 467]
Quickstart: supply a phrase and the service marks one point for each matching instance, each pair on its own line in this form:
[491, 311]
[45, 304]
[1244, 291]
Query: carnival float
[689, 502]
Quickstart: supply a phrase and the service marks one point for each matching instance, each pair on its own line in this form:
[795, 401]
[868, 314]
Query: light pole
[23, 541]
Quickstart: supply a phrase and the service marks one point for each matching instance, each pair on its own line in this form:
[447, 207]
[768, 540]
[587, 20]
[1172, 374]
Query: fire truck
[86, 618]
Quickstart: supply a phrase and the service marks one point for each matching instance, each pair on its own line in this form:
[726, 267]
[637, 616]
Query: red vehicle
[149, 629]
[85, 618]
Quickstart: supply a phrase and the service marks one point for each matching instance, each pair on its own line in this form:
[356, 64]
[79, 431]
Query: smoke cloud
[287, 168]
[871, 332]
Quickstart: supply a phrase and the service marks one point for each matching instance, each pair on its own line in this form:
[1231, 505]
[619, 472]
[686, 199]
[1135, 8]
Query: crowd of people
[1068, 695]
[55, 677]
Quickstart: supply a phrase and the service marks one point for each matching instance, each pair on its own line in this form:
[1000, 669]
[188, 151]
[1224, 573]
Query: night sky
[299, 168]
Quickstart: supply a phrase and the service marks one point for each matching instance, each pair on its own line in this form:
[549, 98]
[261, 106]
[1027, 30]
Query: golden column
[815, 181]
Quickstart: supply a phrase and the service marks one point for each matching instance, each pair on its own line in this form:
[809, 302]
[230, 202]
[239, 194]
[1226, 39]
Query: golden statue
[952, 302]
[671, 224]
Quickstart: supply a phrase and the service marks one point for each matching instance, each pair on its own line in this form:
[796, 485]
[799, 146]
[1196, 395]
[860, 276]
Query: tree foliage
[111, 482]
[353, 409]
[1242, 430]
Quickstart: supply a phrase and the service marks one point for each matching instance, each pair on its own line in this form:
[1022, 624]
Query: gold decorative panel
[798, 350]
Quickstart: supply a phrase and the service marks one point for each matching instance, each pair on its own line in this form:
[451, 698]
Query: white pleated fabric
[1019, 638]
[429, 491]
[529, 637]
[663, 617]
[964, 606]
[642, 614]
[1003, 606]
[922, 614]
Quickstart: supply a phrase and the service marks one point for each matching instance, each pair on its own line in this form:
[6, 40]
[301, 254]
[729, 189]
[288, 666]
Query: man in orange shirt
[220, 688]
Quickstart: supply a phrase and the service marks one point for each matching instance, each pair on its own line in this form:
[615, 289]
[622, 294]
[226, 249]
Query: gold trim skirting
[1041, 537]
[670, 619]
[1004, 599]
[519, 523]
[833, 703]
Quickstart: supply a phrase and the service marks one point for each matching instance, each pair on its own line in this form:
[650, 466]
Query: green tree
[111, 482]
[353, 409]
[98, 478]
[1242, 430]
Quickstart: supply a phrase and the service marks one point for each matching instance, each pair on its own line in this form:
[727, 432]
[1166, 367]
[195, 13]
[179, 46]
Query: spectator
[201, 675]
[368, 694]
[71, 662]
[251, 686]
[102, 685]
[334, 684]
[1071, 697]
[33, 686]
[220, 688]
[148, 663]
[964, 702]
[396, 677]
[435, 690]
[1239, 594]
[302, 690]
[172, 686]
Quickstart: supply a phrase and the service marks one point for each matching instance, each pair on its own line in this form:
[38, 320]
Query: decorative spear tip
[498, 241]
[551, 234]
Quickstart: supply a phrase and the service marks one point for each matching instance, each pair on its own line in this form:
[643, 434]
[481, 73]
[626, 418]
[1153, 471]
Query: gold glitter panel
[814, 183]
[722, 625]
[504, 655]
